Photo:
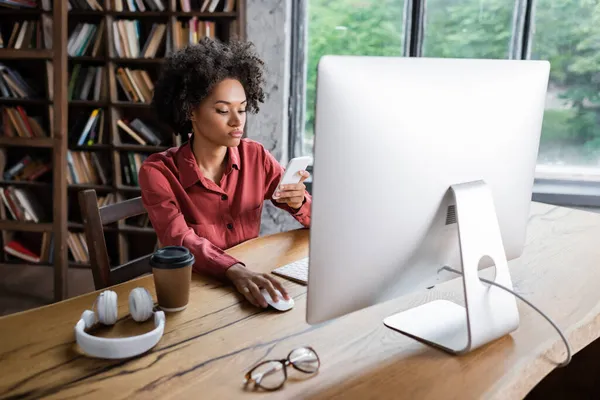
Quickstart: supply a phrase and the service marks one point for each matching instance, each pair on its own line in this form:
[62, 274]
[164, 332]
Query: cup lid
[170, 257]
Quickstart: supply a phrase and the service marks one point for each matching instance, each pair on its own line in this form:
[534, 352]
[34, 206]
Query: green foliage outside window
[566, 32]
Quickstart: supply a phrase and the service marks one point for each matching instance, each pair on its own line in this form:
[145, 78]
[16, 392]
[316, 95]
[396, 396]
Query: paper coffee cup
[172, 271]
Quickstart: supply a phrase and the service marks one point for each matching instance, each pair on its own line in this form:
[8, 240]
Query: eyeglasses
[272, 374]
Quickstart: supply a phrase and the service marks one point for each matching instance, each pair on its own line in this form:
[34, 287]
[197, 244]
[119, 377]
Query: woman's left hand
[292, 195]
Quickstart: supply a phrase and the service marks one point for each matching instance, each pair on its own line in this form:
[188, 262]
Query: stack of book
[17, 249]
[78, 247]
[30, 34]
[18, 3]
[22, 204]
[87, 83]
[106, 200]
[131, 164]
[136, 84]
[140, 132]
[21, 245]
[94, 5]
[90, 128]
[126, 39]
[26, 169]
[85, 167]
[16, 123]
[12, 84]
[190, 32]
[206, 5]
[138, 5]
[85, 39]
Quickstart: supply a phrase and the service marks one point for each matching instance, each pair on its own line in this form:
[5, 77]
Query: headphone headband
[140, 305]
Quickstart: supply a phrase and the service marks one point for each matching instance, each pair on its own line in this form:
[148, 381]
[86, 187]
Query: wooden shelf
[137, 229]
[24, 102]
[61, 199]
[78, 226]
[25, 226]
[27, 142]
[83, 186]
[120, 147]
[24, 263]
[26, 183]
[91, 13]
[154, 14]
[138, 60]
[130, 104]
[119, 13]
[139, 148]
[207, 15]
[94, 147]
[139, 14]
[88, 103]
[16, 54]
[21, 11]
[74, 225]
[129, 189]
[78, 265]
[86, 59]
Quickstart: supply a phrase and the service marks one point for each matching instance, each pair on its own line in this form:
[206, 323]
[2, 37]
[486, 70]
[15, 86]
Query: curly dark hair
[189, 74]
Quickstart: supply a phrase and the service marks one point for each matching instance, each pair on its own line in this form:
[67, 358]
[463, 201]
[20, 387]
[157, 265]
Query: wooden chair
[94, 220]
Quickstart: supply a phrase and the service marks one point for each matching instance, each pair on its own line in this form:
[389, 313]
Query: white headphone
[141, 309]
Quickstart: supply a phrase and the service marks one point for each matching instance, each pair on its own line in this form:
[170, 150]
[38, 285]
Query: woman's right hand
[250, 283]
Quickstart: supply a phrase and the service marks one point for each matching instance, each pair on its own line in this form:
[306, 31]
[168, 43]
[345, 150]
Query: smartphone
[291, 175]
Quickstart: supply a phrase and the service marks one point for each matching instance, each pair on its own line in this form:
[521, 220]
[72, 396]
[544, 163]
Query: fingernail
[277, 194]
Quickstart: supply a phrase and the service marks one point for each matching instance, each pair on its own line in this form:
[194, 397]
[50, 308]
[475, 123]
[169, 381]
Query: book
[17, 249]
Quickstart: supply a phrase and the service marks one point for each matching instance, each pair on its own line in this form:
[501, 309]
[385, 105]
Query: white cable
[568, 359]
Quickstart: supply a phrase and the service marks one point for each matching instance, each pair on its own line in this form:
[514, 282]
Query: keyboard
[296, 271]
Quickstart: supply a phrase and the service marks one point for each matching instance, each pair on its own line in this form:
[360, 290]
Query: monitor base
[490, 312]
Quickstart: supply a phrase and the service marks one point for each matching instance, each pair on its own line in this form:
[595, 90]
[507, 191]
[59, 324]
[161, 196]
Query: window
[567, 33]
[468, 28]
[564, 32]
[349, 27]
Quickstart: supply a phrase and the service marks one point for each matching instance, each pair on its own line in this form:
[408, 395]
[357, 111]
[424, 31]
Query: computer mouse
[281, 305]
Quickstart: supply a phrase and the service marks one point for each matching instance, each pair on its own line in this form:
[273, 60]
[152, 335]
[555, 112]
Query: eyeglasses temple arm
[257, 380]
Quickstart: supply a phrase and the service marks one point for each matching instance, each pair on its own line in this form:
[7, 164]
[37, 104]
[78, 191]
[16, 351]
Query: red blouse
[186, 209]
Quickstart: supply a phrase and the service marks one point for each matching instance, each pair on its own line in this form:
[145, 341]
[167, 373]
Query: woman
[207, 194]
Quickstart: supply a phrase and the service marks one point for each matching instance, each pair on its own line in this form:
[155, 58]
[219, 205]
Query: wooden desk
[207, 349]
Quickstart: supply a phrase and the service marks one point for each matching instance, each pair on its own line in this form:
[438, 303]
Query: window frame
[297, 83]
[553, 190]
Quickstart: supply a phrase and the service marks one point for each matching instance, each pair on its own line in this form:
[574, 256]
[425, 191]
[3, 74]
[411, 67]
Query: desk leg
[490, 312]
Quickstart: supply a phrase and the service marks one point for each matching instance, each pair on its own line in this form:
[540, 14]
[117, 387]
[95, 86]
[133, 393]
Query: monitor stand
[490, 312]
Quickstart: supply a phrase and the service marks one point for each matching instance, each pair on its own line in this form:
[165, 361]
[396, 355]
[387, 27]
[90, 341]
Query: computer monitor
[422, 163]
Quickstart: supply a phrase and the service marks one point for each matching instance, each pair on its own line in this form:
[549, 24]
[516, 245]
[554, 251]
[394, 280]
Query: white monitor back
[391, 136]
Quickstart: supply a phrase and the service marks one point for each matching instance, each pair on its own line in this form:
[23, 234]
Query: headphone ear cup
[107, 307]
[140, 304]
[89, 318]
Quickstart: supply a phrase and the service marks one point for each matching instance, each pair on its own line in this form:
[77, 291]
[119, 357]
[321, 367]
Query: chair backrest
[94, 220]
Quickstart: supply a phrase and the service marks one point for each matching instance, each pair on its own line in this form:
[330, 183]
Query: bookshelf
[97, 79]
